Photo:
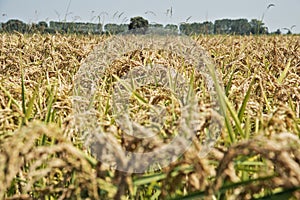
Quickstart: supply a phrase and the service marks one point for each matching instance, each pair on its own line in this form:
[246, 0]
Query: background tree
[240, 27]
[185, 28]
[222, 26]
[207, 28]
[141, 25]
[171, 27]
[138, 25]
[197, 28]
[42, 26]
[76, 27]
[115, 28]
[277, 32]
[258, 27]
[155, 25]
[14, 25]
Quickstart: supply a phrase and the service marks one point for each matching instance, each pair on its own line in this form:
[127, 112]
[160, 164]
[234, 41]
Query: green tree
[75, 27]
[277, 32]
[240, 27]
[172, 27]
[207, 28]
[42, 26]
[115, 28]
[156, 25]
[197, 28]
[138, 25]
[185, 28]
[14, 25]
[258, 27]
[223, 26]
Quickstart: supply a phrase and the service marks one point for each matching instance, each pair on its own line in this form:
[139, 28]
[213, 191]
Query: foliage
[76, 27]
[115, 28]
[277, 32]
[257, 27]
[156, 25]
[222, 26]
[225, 26]
[239, 27]
[171, 27]
[197, 28]
[14, 25]
[138, 25]
[40, 27]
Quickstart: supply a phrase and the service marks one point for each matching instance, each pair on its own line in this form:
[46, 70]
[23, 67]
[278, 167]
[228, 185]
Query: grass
[42, 155]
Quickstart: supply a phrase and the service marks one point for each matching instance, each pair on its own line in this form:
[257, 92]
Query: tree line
[221, 26]
[225, 26]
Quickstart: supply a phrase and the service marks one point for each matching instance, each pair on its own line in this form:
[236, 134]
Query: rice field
[43, 154]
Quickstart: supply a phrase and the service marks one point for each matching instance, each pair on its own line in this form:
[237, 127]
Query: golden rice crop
[42, 155]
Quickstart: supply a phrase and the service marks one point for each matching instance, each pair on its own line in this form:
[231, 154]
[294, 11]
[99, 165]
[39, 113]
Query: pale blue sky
[286, 13]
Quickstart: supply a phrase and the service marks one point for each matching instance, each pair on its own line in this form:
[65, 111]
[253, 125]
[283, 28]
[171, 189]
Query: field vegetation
[42, 155]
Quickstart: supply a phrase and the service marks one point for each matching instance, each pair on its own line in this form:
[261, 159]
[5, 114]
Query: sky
[285, 13]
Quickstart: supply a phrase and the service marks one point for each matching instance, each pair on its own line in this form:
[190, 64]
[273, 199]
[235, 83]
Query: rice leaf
[285, 71]
[229, 84]
[285, 194]
[24, 121]
[235, 117]
[201, 194]
[245, 100]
